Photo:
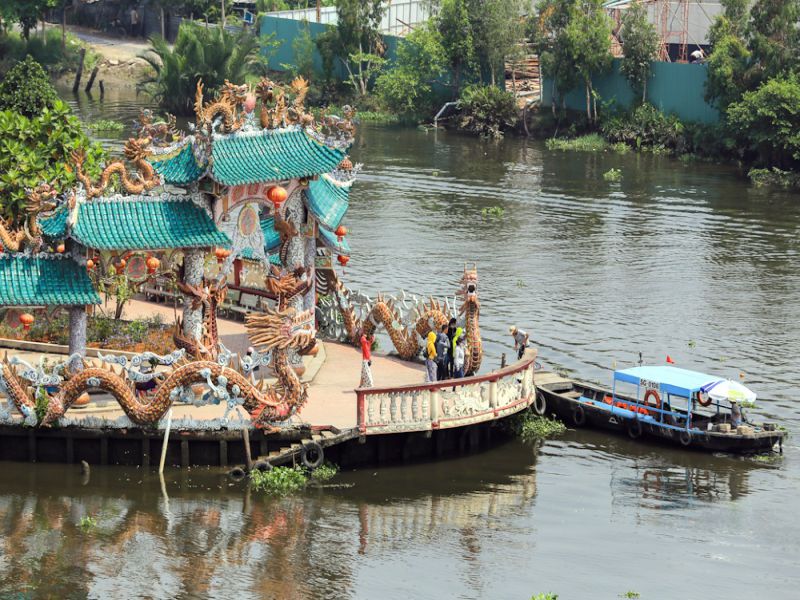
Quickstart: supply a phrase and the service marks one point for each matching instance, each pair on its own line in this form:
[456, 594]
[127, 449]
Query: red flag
[669, 360]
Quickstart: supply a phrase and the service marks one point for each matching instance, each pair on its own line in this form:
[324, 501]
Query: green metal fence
[674, 88]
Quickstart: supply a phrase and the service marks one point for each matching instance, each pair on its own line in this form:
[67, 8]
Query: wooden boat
[660, 403]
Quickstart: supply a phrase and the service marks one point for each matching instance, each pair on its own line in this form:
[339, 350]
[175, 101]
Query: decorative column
[193, 275]
[296, 250]
[310, 299]
[78, 321]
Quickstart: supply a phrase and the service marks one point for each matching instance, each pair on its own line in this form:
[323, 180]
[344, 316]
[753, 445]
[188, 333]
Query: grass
[105, 125]
[283, 481]
[363, 116]
[539, 428]
[547, 596]
[592, 142]
[631, 594]
[613, 175]
[87, 523]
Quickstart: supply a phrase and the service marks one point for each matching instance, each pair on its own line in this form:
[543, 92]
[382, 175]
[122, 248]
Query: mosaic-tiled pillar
[295, 253]
[192, 275]
[309, 301]
[78, 322]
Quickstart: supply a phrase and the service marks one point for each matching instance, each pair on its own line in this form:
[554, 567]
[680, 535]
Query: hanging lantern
[152, 264]
[222, 254]
[120, 266]
[340, 232]
[27, 320]
[90, 264]
[343, 260]
[277, 195]
[60, 248]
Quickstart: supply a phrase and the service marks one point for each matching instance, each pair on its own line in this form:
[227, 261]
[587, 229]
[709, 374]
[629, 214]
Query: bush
[647, 128]
[47, 51]
[26, 89]
[487, 110]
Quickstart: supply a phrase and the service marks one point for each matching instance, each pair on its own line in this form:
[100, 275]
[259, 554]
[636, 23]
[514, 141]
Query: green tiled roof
[179, 167]
[329, 240]
[38, 281]
[270, 155]
[55, 225]
[327, 201]
[139, 223]
[272, 238]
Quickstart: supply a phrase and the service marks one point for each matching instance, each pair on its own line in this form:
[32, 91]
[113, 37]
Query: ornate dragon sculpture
[160, 132]
[136, 151]
[426, 316]
[209, 296]
[277, 331]
[230, 97]
[40, 199]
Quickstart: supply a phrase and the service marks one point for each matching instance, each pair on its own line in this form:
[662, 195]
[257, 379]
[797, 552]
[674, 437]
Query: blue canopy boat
[678, 406]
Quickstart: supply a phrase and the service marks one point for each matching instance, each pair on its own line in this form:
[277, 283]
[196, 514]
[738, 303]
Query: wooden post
[503, 360]
[79, 72]
[246, 439]
[102, 89]
[319, 11]
[89, 85]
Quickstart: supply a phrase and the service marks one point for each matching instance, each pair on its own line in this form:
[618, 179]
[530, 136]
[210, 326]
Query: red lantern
[343, 260]
[60, 248]
[27, 320]
[120, 266]
[222, 254]
[90, 264]
[277, 195]
[152, 264]
[340, 232]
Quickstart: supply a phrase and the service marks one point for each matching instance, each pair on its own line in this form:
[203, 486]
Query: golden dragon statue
[225, 105]
[282, 106]
[136, 151]
[428, 316]
[277, 331]
[40, 199]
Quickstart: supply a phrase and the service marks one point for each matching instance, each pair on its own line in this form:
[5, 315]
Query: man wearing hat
[520, 340]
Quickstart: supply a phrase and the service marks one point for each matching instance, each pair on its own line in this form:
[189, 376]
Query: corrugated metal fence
[674, 88]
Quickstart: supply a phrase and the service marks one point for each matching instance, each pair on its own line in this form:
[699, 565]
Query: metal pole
[164, 443]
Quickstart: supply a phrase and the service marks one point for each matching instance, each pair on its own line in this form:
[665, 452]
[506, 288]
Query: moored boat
[682, 407]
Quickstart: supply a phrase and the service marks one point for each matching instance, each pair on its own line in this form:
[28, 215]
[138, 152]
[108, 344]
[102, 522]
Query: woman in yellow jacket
[430, 358]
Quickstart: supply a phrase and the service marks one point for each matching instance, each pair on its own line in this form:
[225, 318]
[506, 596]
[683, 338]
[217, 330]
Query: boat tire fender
[540, 404]
[634, 429]
[236, 473]
[686, 438]
[312, 455]
[262, 465]
[579, 416]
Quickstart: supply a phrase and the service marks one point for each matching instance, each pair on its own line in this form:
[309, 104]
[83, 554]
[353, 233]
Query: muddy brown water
[679, 259]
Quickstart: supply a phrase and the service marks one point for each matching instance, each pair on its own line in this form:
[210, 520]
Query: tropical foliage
[487, 110]
[640, 43]
[50, 51]
[210, 54]
[37, 148]
[25, 13]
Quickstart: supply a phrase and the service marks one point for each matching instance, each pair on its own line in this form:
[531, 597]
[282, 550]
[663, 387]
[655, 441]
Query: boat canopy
[671, 380]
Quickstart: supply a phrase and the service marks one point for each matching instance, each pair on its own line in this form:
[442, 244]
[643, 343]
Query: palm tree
[210, 54]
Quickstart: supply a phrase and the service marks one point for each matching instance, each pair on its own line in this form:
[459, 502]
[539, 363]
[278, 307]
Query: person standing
[451, 337]
[366, 361]
[459, 355]
[520, 340]
[430, 358]
[442, 353]
[134, 16]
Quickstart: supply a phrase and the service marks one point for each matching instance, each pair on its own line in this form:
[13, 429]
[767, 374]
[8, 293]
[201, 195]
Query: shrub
[613, 175]
[26, 89]
[212, 55]
[646, 127]
[487, 110]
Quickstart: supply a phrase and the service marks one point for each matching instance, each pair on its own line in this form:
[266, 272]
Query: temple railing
[450, 403]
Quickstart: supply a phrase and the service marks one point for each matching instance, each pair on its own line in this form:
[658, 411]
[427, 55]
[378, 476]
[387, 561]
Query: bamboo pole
[164, 443]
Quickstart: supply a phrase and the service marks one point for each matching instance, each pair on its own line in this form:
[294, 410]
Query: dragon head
[266, 90]
[137, 149]
[469, 288]
[282, 329]
[234, 94]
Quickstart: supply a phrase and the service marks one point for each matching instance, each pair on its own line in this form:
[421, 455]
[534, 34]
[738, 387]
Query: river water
[679, 259]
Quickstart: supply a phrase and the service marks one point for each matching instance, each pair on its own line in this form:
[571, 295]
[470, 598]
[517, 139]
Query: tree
[407, 88]
[547, 29]
[588, 39]
[728, 68]
[640, 43]
[25, 12]
[767, 121]
[455, 31]
[497, 30]
[775, 37]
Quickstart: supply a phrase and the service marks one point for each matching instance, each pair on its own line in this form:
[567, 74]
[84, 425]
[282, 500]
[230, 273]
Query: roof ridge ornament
[136, 151]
